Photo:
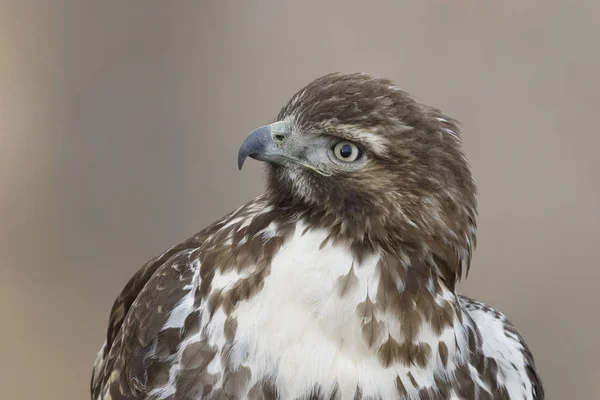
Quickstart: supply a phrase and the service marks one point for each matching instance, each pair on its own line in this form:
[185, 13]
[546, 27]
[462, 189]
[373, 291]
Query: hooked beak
[265, 143]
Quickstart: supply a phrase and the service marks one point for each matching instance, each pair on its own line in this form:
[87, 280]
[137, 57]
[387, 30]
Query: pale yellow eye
[346, 151]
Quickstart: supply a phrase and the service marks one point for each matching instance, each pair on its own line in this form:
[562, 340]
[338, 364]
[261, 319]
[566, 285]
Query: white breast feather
[300, 323]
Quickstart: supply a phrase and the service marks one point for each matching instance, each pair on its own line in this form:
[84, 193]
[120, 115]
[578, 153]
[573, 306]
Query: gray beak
[265, 143]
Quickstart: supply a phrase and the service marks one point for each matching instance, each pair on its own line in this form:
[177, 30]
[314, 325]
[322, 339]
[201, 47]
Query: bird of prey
[339, 282]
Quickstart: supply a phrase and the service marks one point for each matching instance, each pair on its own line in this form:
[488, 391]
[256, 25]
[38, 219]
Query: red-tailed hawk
[337, 283]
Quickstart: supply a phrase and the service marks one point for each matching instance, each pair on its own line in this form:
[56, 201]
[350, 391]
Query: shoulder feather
[138, 315]
[507, 346]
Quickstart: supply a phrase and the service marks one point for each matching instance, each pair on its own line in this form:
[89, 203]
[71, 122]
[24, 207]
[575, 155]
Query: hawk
[339, 282]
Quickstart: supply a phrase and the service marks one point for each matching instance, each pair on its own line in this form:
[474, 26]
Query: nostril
[278, 137]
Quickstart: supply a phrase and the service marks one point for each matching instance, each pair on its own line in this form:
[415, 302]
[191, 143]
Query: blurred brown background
[121, 120]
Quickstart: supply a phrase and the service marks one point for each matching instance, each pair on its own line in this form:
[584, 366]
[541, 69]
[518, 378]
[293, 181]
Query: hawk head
[357, 155]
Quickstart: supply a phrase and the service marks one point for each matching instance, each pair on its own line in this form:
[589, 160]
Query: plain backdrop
[120, 123]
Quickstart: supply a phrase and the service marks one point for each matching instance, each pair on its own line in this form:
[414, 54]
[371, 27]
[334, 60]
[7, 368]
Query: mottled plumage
[337, 283]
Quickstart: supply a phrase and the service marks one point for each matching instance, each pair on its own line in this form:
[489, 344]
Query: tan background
[120, 123]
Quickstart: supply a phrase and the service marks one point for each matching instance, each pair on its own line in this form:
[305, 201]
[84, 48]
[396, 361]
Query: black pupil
[346, 151]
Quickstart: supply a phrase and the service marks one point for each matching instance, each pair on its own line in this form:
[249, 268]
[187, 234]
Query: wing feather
[136, 355]
[507, 347]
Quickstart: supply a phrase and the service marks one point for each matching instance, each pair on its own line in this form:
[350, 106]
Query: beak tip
[240, 163]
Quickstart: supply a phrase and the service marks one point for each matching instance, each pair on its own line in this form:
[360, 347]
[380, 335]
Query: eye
[346, 151]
